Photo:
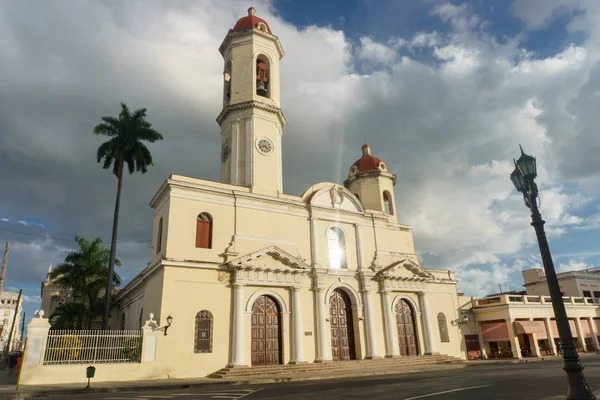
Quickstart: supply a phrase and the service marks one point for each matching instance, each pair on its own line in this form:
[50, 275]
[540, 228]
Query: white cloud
[374, 52]
[573, 265]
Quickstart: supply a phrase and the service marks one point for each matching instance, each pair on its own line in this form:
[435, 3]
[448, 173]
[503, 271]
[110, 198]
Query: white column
[297, 322]
[234, 151]
[359, 253]
[481, 341]
[594, 333]
[314, 243]
[391, 340]
[514, 340]
[370, 322]
[324, 348]
[427, 326]
[550, 336]
[580, 334]
[238, 326]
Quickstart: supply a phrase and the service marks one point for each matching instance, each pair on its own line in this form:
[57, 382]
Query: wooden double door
[407, 332]
[342, 326]
[266, 332]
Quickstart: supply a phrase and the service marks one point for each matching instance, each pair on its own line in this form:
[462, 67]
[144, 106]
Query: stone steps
[337, 367]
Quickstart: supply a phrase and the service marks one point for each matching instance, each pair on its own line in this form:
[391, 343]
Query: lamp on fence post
[89, 373]
[523, 177]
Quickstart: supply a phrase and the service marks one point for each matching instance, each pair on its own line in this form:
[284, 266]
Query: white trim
[266, 292]
[259, 53]
[249, 162]
[233, 158]
[409, 300]
[351, 291]
[202, 199]
[191, 264]
[254, 238]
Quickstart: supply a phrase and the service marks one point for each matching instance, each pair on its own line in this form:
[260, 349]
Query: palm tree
[127, 133]
[82, 276]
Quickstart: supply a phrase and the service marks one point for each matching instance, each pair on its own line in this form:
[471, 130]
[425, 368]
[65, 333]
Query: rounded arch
[352, 293]
[410, 302]
[337, 226]
[266, 57]
[267, 292]
[388, 203]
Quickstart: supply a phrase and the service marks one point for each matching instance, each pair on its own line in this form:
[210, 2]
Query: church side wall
[443, 298]
[187, 291]
[183, 213]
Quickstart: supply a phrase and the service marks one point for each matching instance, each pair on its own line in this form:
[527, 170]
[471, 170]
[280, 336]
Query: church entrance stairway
[351, 367]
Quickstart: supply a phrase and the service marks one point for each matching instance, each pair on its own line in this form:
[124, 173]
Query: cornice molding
[252, 104]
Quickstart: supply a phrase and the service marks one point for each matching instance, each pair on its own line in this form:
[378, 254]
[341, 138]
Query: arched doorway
[266, 332]
[342, 327]
[407, 329]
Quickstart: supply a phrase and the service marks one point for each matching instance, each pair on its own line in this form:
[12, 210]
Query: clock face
[264, 146]
[225, 152]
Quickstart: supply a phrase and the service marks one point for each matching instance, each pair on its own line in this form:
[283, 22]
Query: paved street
[540, 380]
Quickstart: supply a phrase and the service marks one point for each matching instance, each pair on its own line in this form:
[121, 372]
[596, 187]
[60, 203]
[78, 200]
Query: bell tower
[370, 181]
[251, 120]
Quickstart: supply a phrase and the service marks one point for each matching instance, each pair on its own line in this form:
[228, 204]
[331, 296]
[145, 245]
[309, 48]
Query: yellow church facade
[252, 276]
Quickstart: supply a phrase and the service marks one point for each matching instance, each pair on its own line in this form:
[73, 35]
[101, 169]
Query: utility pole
[4, 262]
[12, 328]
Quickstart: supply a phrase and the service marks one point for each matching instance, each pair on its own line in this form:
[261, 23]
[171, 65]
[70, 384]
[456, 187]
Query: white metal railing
[89, 347]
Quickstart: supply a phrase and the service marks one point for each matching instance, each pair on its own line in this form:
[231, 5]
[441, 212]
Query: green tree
[127, 134]
[82, 276]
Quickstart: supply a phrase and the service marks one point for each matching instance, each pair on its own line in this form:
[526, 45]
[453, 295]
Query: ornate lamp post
[523, 177]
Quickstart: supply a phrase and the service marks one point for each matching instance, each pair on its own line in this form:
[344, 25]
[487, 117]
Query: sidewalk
[582, 357]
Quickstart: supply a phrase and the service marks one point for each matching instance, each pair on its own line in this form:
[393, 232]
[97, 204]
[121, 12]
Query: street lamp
[523, 177]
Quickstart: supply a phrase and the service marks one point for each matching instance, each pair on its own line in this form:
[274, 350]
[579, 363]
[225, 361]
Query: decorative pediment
[405, 270]
[332, 195]
[270, 257]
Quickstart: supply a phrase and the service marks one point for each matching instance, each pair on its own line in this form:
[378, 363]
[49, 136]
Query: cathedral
[252, 276]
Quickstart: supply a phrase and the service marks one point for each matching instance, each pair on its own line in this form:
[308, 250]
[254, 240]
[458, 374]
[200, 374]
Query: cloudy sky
[444, 91]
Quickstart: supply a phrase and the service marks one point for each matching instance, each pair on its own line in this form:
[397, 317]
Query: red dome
[367, 162]
[250, 21]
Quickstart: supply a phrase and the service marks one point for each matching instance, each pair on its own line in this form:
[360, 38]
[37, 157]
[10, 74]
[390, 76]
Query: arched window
[337, 248]
[204, 231]
[159, 239]
[227, 83]
[387, 203]
[204, 334]
[262, 76]
[443, 326]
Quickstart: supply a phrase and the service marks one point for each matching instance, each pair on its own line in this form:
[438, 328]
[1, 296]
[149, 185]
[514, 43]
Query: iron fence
[92, 347]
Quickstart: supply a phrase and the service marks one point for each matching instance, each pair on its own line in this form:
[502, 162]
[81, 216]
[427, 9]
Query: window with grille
[443, 326]
[203, 336]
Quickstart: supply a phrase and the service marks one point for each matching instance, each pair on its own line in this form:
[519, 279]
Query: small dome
[368, 162]
[251, 21]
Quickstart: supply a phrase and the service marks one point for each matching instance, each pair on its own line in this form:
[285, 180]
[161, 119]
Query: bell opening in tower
[262, 76]
[227, 83]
